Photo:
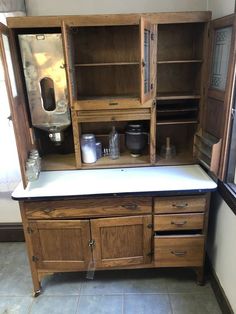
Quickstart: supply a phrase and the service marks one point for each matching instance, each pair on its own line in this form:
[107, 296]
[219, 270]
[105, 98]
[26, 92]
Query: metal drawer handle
[130, 206]
[48, 210]
[183, 205]
[181, 223]
[179, 253]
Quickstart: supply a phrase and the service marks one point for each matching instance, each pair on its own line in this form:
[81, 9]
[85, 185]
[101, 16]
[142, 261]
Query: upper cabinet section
[109, 65]
[179, 60]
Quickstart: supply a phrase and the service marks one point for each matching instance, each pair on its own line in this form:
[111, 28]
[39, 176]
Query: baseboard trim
[219, 291]
[11, 232]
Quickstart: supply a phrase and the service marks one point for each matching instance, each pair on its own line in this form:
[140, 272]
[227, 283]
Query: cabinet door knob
[130, 206]
[179, 253]
[181, 205]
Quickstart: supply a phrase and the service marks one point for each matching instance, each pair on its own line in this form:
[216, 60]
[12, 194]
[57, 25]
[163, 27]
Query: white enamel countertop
[114, 181]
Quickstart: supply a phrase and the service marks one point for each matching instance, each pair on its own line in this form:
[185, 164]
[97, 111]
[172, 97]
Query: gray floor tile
[102, 287]
[54, 305]
[145, 285]
[145, 303]
[62, 284]
[15, 305]
[184, 281]
[194, 304]
[106, 304]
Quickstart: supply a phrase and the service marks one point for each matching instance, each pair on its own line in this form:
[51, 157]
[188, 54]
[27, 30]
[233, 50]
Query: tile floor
[110, 292]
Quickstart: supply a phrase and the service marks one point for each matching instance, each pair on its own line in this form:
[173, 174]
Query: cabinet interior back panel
[108, 81]
[183, 77]
[102, 44]
[180, 41]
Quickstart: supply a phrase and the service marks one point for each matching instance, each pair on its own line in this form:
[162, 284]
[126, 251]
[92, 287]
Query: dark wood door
[61, 245]
[220, 84]
[124, 241]
[24, 139]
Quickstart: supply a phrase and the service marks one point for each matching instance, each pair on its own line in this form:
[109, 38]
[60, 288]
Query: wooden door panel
[122, 241]
[217, 117]
[61, 245]
[23, 135]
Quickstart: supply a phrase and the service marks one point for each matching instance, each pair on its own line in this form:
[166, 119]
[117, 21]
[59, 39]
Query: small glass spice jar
[88, 148]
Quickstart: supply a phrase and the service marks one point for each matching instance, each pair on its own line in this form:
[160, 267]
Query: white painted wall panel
[73, 7]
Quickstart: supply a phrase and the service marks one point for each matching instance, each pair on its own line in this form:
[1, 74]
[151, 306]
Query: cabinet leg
[36, 293]
[200, 276]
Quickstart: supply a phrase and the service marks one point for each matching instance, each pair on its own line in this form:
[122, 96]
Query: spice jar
[88, 148]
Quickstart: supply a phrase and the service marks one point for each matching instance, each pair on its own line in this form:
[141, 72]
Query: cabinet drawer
[178, 222]
[180, 204]
[178, 251]
[91, 207]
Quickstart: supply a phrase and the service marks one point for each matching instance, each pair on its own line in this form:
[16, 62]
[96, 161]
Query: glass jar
[88, 148]
[31, 170]
[114, 144]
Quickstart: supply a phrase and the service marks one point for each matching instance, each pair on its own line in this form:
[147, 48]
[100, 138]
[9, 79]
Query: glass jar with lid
[88, 148]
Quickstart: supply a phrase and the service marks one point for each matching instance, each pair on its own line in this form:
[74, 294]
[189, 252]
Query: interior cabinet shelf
[182, 121]
[58, 162]
[178, 61]
[105, 64]
[125, 159]
[177, 95]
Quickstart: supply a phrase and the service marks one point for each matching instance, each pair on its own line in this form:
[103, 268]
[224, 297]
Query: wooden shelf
[125, 160]
[179, 61]
[180, 159]
[176, 95]
[58, 162]
[171, 122]
[105, 64]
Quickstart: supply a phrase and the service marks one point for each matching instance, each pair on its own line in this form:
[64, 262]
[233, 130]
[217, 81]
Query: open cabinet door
[146, 61]
[218, 105]
[24, 139]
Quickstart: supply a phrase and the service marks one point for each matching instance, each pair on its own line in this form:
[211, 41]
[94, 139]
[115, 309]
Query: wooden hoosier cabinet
[164, 79]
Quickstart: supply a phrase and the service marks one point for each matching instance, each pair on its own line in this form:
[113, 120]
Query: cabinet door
[122, 241]
[220, 85]
[15, 97]
[146, 39]
[61, 245]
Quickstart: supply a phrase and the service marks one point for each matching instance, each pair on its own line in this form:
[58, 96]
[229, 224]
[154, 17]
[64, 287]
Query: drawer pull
[179, 253]
[130, 206]
[48, 210]
[183, 205]
[180, 223]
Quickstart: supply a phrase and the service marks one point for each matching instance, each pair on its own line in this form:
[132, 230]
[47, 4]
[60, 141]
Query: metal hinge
[150, 226]
[35, 258]
[151, 85]
[29, 230]
[152, 36]
[233, 111]
[150, 253]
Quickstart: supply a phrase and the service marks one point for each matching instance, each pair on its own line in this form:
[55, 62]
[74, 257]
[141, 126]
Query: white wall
[221, 246]
[9, 209]
[220, 7]
[73, 7]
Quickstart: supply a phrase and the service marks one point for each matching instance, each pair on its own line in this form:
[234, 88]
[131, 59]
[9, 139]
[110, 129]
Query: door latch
[91, 243]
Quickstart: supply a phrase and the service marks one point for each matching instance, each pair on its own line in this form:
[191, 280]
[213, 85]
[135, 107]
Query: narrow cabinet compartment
[109, 65]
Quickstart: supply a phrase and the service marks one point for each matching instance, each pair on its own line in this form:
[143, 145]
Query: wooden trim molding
[11, 232]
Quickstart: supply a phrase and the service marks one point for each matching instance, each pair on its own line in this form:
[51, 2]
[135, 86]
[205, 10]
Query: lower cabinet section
[115, 232]
[107, 242]
[176, 251]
